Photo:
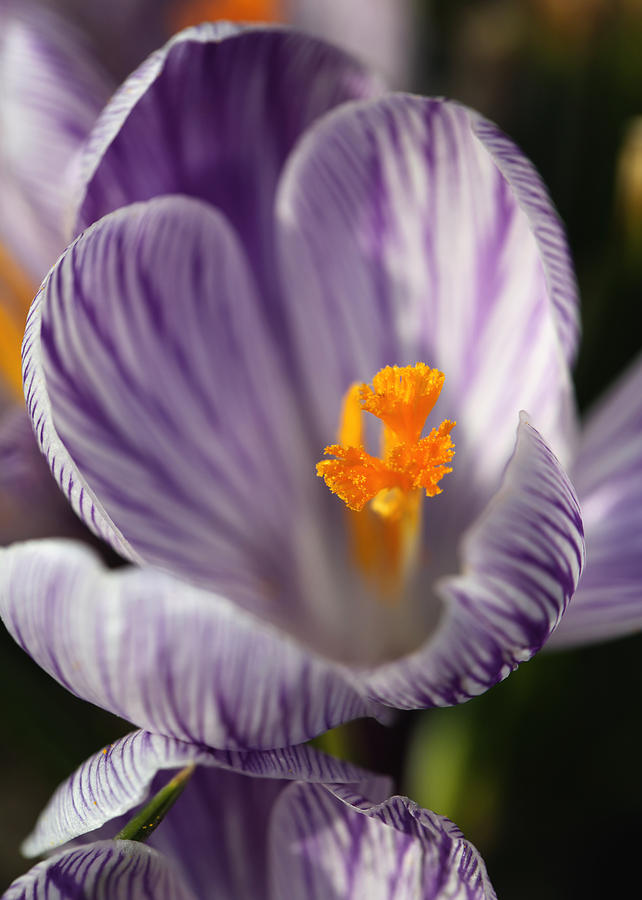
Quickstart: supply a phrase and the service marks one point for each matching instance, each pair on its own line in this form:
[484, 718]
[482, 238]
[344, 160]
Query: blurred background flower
[543, 772]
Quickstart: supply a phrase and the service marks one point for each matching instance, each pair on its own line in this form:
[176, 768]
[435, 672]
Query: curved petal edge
[111, 870]
[522, 561]
[167, 656]
[116, 779]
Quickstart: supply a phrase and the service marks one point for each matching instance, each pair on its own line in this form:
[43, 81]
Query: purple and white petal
[326, 843]
[106, 870]
[166, 656]
[216, 835]
[161, 404]
[381, 32]
[219, 832]
[31, 505]
[534, 200]
[608, 477]
[214, 114]
[408, 243]
[52, 90]
[521, 562]
[117, 779]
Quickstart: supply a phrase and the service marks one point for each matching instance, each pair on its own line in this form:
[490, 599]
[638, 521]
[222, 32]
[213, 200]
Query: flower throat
[383, 493]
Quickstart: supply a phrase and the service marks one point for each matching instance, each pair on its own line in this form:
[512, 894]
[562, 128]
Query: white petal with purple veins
[117, 779]
[106, 870]
[533, 198]
[214, 114]
[343, 846]
[168, 657]
[406, 242]
[160, 401]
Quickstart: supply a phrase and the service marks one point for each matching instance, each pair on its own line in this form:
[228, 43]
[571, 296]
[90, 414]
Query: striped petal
[413, 239]
[330, 833]
[608, 477]
[52, 92]
[336, 844]
[521, 563]
[214, 115]
[271, 840]
[168, 657]
[216, 835]
[160, 403]
[105, 870]
[118, 778]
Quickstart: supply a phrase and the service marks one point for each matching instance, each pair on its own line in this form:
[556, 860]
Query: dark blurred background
[543, 773]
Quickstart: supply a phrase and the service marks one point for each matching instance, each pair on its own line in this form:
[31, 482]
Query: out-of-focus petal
[214, 114]
[174, 659]
[608, 478]
[122, 32]
[31, 505]
[521, 564]
[160, 401]
[409, 243]
[106, 870]
[325, 845]
[378, 31]
[51, 91]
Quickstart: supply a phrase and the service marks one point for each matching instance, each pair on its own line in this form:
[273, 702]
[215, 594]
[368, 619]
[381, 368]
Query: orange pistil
[403, 398]
[385, 535]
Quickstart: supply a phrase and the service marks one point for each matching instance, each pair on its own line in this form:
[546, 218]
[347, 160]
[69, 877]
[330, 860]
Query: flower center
[16, 293]
[383, 493]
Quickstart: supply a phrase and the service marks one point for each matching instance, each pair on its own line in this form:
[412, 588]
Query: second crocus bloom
[250, 826]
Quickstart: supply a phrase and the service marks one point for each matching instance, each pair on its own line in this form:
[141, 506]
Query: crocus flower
[264, 229]
[253, 825]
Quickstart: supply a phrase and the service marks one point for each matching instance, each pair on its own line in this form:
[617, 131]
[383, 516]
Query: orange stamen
[402, 398]
[385, 535]
[354, 475]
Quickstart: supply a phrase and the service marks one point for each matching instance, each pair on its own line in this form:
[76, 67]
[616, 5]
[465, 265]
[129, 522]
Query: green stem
[149, 818]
